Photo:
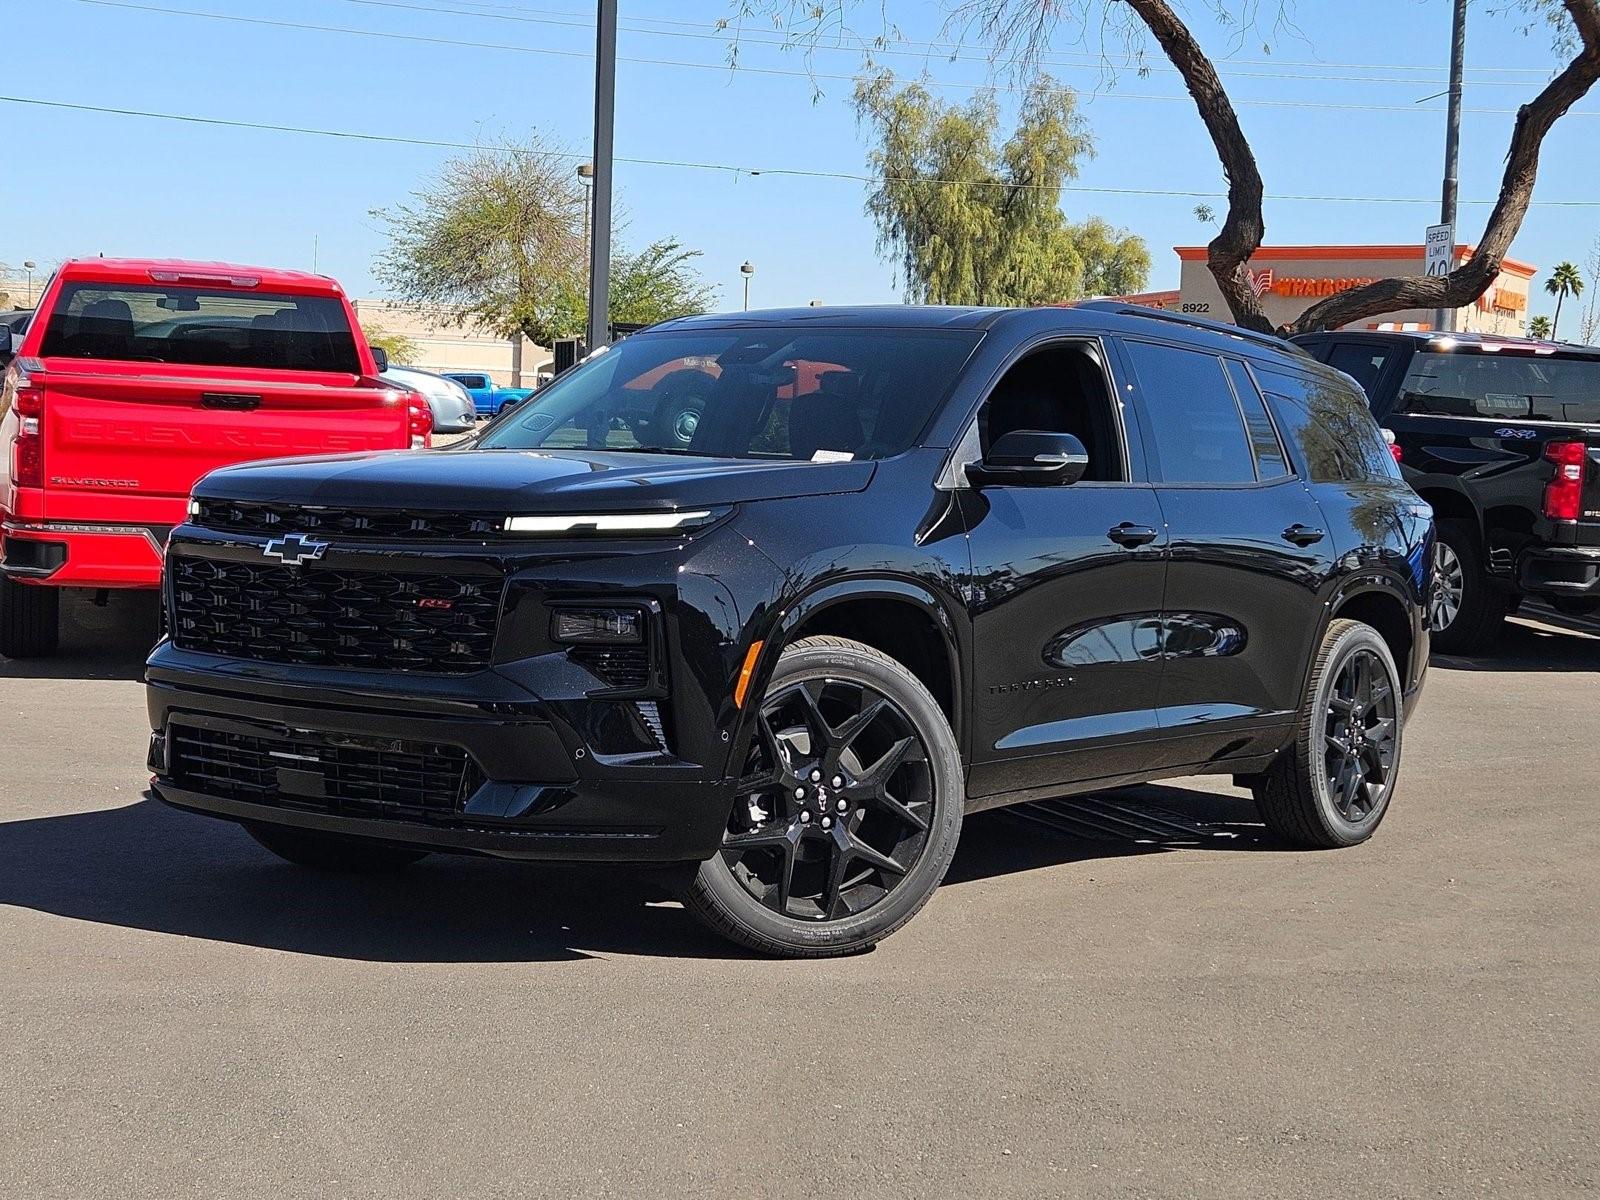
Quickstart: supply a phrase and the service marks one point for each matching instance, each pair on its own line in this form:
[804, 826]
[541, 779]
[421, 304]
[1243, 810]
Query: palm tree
[1539, 328]
[1564, 281]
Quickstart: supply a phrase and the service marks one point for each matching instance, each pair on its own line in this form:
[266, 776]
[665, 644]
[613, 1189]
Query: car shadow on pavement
[109, 641]
[1535, 641]
[146, 866]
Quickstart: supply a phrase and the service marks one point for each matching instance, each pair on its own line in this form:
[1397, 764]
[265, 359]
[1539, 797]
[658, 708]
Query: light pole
[1444, 319]
[605, 98]
[586, 178]
[747, 269]
[29, 267]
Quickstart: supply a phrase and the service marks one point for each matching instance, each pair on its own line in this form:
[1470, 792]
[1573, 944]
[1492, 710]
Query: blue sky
[1331, 111]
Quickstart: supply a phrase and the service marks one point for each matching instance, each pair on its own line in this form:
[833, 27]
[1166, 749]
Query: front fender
[938, 603]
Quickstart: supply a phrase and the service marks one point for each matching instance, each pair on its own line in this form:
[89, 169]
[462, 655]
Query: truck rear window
[1506, 386]
[171, 324]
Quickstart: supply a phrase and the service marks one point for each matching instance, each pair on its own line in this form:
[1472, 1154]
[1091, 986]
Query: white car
[452, 407]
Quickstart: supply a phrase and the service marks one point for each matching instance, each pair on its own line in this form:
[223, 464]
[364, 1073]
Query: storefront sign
[1293, 285]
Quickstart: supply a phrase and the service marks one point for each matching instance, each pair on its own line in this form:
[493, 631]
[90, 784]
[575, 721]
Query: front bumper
[557, 754]
[529, 787]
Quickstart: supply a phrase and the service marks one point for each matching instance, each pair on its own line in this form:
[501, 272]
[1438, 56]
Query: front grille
[322, 772]
[245, 516]
[270, 613]
[619, 666]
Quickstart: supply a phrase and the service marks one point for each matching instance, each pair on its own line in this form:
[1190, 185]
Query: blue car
[487, 396]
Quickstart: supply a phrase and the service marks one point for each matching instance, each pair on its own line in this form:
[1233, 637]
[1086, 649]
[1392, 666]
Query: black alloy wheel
[1361, 735]
[836, 808]
[1333, 784]
[847, 812]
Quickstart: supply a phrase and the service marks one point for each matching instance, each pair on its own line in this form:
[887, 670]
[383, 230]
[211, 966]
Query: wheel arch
[903, 618]
[1382, 602]
[1449, 501]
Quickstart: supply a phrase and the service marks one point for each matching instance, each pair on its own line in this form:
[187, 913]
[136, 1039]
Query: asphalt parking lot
[1197, 1014]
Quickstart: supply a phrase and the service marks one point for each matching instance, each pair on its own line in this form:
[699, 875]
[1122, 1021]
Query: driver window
[1059, 389]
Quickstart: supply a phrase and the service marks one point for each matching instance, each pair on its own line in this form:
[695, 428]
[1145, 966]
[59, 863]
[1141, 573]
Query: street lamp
[586, 178]
[747, 269]
[29, 267]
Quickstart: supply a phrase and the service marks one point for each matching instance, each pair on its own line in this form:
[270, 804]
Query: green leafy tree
[654, 284]
[397, 346]
[970, 221]
[1539, 327]
[1564, 281]
[497, 238]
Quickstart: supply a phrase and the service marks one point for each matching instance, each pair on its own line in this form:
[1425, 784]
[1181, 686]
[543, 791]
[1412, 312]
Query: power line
[947, 53]
[727, 168]
[305, 26]
[1089, 57]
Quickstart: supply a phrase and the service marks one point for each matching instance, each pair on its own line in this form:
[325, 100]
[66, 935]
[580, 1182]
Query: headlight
[585, 523]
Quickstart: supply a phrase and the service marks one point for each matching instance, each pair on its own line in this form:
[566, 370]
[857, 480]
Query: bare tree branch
[1244, 226]
[1470, 280]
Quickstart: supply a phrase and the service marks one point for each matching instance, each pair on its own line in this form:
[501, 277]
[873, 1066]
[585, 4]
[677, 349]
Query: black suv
[1502, 437]
[916, 562]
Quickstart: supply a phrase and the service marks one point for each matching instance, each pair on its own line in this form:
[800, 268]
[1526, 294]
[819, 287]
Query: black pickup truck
[1502, 437]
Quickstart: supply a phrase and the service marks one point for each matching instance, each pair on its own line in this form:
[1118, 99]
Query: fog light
[613, 626]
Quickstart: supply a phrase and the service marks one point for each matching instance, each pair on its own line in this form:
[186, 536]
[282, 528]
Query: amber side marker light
[740, 688]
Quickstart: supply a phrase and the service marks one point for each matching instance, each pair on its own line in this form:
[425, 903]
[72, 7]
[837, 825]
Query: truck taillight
[1563, 496]
[26, 396]
[420, 418]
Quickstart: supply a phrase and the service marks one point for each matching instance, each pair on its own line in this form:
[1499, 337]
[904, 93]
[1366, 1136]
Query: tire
[30, 620]
[781, 845]
[330, 852]
[1466, 609]
[675, 421]
[1305, 798]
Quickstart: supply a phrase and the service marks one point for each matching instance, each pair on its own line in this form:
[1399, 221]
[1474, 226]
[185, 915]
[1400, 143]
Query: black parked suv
[1502, 437]
[916, 562]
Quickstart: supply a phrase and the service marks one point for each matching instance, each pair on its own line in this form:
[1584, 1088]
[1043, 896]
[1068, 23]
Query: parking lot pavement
[186, 1016]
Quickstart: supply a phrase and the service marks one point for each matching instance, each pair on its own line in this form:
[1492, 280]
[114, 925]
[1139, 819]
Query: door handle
[1131, 535]
[1303, 535]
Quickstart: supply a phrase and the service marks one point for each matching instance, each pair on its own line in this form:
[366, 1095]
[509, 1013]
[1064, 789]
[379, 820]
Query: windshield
[170, 324]
[784, 392]
[1521, 386]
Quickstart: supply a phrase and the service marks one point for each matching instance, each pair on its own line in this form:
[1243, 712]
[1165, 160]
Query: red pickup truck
[135, 378]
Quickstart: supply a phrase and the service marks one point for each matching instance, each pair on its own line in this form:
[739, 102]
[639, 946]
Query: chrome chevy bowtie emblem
[294, 549]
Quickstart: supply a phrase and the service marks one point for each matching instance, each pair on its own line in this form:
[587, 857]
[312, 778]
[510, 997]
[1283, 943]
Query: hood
[517, 481]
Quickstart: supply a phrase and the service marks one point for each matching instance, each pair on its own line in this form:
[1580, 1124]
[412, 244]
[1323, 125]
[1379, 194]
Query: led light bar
[656, 522]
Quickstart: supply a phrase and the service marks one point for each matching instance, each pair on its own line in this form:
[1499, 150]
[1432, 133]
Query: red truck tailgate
[154, 432]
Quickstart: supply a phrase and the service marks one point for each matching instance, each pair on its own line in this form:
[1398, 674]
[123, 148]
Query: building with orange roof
[1290, 279]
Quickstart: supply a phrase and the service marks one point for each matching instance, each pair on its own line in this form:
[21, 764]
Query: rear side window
[1329, 424]
[1198, 433]
[1364, 364]
[1529, 387]
[1271, 462]
[193, 326]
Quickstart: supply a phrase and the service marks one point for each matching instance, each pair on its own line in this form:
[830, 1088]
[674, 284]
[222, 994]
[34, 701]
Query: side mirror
[380, 356]
[6, 351]
[1031, 457]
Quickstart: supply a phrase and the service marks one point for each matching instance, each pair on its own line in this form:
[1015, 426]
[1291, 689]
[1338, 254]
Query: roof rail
[1222, 327]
